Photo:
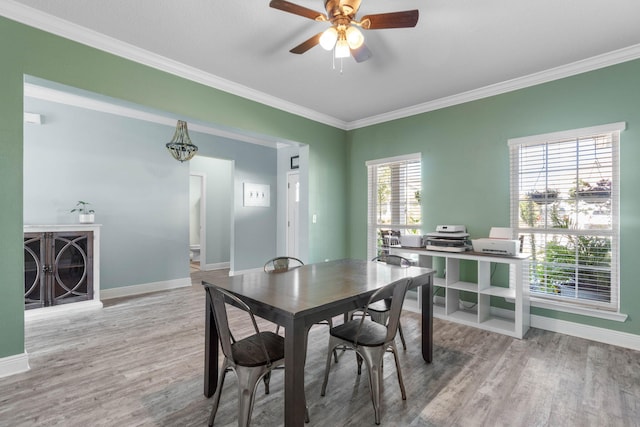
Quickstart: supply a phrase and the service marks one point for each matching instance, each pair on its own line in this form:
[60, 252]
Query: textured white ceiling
[458, 45]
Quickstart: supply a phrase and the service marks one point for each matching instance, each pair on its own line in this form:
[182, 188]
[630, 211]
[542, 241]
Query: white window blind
[394, 188]
[564, 208]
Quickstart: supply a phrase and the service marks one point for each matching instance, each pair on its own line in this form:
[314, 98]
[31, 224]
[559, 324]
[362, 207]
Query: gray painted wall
[140, 193]
[254, 228]
[119, 165]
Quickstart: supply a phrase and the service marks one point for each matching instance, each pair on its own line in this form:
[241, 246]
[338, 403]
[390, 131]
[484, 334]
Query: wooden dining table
[298, 298]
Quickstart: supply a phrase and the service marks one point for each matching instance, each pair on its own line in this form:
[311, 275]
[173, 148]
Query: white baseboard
[217, 266]
[144, 288]
[603, 335]
[62, 309]
[15, 364]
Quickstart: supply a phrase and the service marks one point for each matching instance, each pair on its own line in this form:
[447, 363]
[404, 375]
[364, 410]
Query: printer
[448, 238]
[498, 243]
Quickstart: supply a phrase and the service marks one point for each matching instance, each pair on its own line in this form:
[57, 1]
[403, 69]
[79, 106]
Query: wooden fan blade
[307, 44]
[361, 54]
[286, 6]
[408, 18]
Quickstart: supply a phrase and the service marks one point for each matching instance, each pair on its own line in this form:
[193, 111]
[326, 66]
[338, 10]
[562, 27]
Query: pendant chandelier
[181, 147]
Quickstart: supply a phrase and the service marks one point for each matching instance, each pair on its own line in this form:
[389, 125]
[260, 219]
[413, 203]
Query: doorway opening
[211, 215]
[197, 221]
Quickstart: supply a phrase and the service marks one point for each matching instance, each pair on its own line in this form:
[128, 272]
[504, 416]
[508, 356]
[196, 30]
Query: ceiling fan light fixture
[328, 38]
[342, 48]
[354, 37]
[343, 37]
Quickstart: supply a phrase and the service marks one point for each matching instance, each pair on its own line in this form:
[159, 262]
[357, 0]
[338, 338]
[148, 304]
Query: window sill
[583, 311]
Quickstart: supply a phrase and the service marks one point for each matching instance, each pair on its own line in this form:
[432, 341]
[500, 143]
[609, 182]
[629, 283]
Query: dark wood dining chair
[371, 340]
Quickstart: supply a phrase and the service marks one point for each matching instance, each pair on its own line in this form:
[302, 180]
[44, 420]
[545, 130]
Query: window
[394, 201]
[564, 207]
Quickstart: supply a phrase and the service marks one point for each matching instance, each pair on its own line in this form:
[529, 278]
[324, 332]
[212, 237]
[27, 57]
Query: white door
[293, 215]
[197, 220]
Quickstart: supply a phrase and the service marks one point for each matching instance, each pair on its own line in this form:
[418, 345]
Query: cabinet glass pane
[33, 287]
[71, 263]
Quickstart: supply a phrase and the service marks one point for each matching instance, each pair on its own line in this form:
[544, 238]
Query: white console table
[482, 315]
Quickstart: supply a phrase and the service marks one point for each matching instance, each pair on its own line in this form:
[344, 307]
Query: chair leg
[404, 344]
[359, 360]
[335, 352]
[248, 379]
[267, 380]
[373, 359]
[394, 350]
[332, 346]
[216, 396]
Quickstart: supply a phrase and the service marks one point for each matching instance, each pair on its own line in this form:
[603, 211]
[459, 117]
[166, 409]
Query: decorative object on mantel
[85, 215]
[181, 147]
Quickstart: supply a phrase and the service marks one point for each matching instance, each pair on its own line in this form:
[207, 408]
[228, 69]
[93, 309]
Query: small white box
[411, 241]
[451, 229]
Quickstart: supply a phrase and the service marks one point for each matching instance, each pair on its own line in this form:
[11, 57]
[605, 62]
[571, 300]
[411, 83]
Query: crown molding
[49, 23]
[600, 61]
[60, 27]
[35, 91]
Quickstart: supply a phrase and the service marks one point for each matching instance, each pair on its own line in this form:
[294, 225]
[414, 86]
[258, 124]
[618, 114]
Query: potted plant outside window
[586, 191]
[543, 197]
[85, 215]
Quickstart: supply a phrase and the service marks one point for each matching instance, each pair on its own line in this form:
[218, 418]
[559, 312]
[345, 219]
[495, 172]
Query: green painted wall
[466, 161]
[25, 50]
[464, 150]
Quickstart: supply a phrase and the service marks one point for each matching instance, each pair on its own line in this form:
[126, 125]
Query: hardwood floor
[139, 362]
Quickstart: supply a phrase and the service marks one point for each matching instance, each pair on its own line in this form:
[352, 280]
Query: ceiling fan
[343, 36]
